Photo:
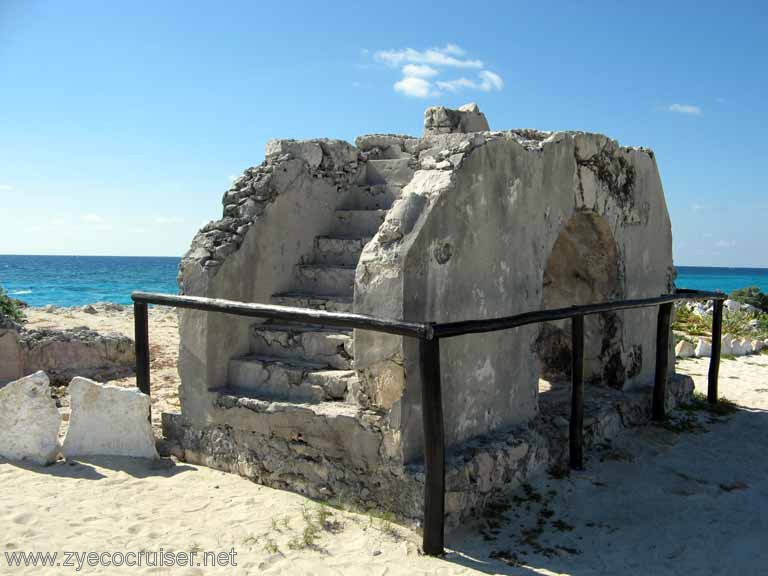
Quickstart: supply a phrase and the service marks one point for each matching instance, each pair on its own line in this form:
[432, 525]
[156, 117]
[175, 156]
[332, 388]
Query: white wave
[17, 292]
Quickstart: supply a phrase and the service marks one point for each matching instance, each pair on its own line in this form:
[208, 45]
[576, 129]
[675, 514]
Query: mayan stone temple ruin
[461, 223]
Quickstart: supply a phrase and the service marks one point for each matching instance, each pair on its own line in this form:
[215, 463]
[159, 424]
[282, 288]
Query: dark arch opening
[583, 268]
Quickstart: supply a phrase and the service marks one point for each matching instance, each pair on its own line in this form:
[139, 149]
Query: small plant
[700, 403]
[316, 521]
[10, 307]
[692, 324]
[270, 546]
[250, 540]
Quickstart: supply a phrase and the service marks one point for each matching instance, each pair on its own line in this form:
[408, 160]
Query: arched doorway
[582, 269]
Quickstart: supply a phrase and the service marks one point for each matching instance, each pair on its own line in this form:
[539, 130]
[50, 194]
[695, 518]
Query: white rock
[108, 420]
[759, 345]
[703, 348]
[29, 420]
[732, 305]
[88, 309]
[310, 152]
[742, 347]
[727, 345]
[684, 349]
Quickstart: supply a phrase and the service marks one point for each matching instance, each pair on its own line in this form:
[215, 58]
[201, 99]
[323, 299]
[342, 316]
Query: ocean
[79, 280]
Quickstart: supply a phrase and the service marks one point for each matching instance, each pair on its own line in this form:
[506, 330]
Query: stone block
[11, 366]
[108, 420]
[703, 348]
[684, 349]
[29, 420]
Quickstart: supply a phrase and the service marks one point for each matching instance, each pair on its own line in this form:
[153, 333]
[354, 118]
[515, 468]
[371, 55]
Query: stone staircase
[309, 364]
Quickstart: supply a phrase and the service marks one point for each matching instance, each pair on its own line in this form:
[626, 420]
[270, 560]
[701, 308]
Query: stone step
[326, 279]
[393, 172]
[378, 196]
[328, 302]
[282, 380]
[358, 223]
[338, 250]
[323, 344]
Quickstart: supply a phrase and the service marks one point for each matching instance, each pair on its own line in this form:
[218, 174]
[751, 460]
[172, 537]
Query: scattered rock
[29, 420]
[108, 420]
[727, 345]
[441, 120]
[88, 309]
[703, 348]
[684, 349]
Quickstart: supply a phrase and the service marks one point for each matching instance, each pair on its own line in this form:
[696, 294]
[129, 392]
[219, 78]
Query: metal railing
[429, 335]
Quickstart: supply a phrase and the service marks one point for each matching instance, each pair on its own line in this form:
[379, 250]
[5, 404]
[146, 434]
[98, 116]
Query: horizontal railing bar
[288, 313]
[450, 329]
[688, 293]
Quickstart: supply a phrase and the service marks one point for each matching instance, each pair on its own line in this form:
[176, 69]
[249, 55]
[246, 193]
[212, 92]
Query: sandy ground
[687, 498]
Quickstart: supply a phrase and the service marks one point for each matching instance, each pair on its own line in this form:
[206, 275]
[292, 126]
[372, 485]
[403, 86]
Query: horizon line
[179, 257]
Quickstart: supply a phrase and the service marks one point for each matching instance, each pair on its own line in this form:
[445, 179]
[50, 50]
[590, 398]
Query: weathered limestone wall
[63, 354]
[11, 366]
[470, 238]
[271, 217]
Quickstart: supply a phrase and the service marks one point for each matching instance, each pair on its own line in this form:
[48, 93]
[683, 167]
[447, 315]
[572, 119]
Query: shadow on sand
[87, 468]
[688, 496]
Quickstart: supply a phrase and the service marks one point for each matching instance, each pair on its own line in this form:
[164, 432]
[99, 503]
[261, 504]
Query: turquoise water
[78, 280]
[723, 279]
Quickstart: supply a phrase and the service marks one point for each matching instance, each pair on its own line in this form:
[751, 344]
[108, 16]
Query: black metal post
[662, 361]
[576, 432]
[141, 333]
[714, 360]
[434, 447]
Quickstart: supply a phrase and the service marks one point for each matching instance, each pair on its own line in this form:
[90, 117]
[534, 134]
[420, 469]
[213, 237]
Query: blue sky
[121, 123]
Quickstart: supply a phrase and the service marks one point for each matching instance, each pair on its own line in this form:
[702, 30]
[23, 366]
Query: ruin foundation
[461, 223]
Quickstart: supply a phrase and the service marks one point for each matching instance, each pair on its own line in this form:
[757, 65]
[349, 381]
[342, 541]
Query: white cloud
[696, 207]
[486, 82]
[92, 218]
[416, 87]
[5, 187]
[453, 49]
[419, 70]
[447, 56]
[490, 81]
[169, 220]
[685, 109]
[455, 85]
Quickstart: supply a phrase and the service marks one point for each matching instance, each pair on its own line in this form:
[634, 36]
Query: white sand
[654, 502]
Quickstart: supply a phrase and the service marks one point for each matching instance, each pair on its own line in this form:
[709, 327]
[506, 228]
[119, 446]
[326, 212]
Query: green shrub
[690, 323]
[10, 308]
[751, 295]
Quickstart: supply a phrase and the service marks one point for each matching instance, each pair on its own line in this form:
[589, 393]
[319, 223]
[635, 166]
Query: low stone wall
[480, 472]
[64, 354]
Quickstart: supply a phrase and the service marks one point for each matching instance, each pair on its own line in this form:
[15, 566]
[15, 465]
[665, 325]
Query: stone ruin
[63, 354]
[462, 223]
